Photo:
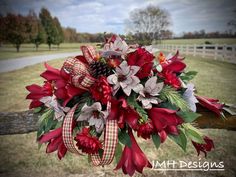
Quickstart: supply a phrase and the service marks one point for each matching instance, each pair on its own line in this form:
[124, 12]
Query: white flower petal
[127, 90]
[97, 106]
[115, 89]
[149, 106]
[123, 69]
[151, 82]
[157, 88]
[99, 125]
[112, 79]
[84, 116]
[134, 69]
[138, 88]
[145, 102]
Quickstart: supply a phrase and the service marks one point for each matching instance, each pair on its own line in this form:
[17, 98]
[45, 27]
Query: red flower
[122, 112]
[206, 147]
[143, 59]
[54, 138]
[133, 159]
[37, 92]
[87, 143]
[165, 121]
[211, 104]
[64, 89]
[170, 78]
[101, 90]
[174, 64]
[145, 130]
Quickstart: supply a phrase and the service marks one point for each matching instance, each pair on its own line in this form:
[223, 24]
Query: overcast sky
[109, 15]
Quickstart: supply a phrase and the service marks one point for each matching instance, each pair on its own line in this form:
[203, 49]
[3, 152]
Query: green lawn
[200, 41]
[19, 155]
[8, 51]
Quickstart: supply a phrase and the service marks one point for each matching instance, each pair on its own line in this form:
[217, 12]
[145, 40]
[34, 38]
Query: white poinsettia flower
[148, 95]
[190, 98]
[94, 115]
[125, 78]
[51, 102]
[115, 46]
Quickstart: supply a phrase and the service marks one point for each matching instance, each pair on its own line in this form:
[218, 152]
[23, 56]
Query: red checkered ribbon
[111, 140]
[89, 53]
[67, 132]
[80, 70]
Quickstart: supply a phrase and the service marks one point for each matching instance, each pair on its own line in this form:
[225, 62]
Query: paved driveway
[17, 63]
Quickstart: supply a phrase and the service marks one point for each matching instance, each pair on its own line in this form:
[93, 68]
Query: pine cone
[98, 68]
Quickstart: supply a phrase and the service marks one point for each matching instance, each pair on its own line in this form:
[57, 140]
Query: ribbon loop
[67, 132]
[111, 140]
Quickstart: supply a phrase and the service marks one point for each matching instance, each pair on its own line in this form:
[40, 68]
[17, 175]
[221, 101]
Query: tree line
[144, 26]
[31, 28]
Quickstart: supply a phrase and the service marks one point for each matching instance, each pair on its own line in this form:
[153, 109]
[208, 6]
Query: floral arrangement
[98, 100]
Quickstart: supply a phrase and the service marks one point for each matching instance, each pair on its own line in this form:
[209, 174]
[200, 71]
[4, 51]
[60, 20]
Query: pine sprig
[174, 97]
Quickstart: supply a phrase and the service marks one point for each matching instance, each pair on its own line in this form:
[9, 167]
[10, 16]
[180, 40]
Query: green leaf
[168, 105]
[132, 102]
[170, 94]
[188, 76]
[100, 152]
[124, 138]
[156, 140]
[188, 116]
[180, 139]
[118, 152]
[85, 99]
[37, 110]
[193, 133]
[46, 122]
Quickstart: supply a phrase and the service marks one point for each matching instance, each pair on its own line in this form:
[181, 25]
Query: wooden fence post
[194, 49]
[216, 52]
[203, 50]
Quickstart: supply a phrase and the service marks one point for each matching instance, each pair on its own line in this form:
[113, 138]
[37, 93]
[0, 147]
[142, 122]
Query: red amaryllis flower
[170, 78]
[87, 143]
[145, 130]
[121, 111]
[165, 121]
[174, 64]
[62, 80]
[142, 58]
[54, 138]
[101, 90]
[37, 92]
[205, 147]
[211, 104]
[133, 159]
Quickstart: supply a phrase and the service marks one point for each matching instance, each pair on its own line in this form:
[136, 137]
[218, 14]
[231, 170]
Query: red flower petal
[35, 104]
[50, 135]
[61, 151]
[53, 145]
[211, 104]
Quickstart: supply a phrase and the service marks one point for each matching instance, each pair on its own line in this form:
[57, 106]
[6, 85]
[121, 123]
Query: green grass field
[8, 51]
[200, 41]
[19, 154]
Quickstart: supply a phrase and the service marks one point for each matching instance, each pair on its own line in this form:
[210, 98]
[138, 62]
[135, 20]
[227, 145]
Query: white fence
[218, 52]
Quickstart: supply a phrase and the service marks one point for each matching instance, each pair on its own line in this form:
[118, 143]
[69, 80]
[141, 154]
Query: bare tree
[148, 23]
[233, 21]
